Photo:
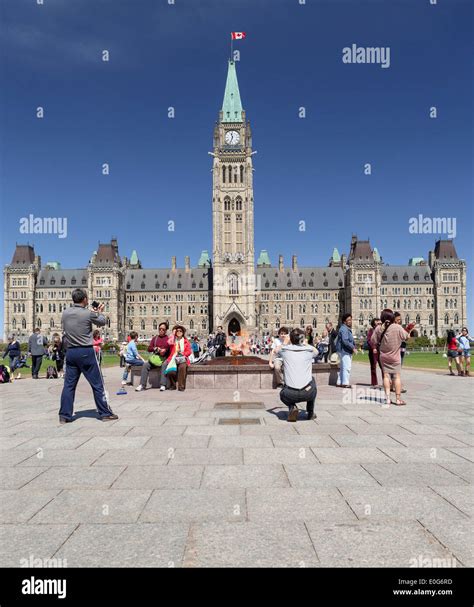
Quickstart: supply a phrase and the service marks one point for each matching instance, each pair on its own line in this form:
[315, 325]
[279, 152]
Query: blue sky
[307, 169]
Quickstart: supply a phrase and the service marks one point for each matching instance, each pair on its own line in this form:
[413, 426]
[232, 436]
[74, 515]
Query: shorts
[466, 353]
[453, 353]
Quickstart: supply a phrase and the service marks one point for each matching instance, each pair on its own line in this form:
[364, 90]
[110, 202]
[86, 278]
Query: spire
[232, 106]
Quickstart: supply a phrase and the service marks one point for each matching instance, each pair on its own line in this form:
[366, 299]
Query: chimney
[187, 263]
[173, 262]
[294, 263]
[431, 258]
[280, 263]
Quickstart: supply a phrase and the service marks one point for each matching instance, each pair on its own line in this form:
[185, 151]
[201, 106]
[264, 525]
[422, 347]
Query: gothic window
[302, 323]
[236, 174]
[361, 320]
[241, 174]
[315, 323]
[407, 319]
[233, 284]
[265, 323]
[238, 218]
[223, 174]
[456, 319]
[417, 319]
[238, 203]
[142, 325]
[51, 323]
[204, 324]
[23, 323]
[226, 203]
[229, 173]
[430, 319]
[191, 325]
[446, 319]
[277, 323]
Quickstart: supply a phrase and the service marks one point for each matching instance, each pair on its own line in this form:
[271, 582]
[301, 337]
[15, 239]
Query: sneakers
[162, 388]
[311, 415]
[109, 418]
[63, 420]
[124, 382]
[139, 388]
[293, 413]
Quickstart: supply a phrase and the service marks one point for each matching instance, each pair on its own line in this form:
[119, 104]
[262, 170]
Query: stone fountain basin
[238, 373]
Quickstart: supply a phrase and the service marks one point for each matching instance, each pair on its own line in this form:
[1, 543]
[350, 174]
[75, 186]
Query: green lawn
[108, 360]
[416, 360]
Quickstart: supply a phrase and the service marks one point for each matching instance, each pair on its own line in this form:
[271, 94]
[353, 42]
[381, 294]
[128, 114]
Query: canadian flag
[238, 35]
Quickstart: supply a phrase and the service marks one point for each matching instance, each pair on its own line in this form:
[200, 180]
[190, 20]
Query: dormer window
[201, 285]
[267, 284]
[165, 285]
[395, 276]
[311, 283]
[143, 284]
[128, 286]
[42, 281]
[157, 285]
[63, 281]
[52, 281]
[384, 277]
[325, 283]
[417, 276]
[405, 276]
[179, 285]
[83, 281]
[288, 284]
[193, 286]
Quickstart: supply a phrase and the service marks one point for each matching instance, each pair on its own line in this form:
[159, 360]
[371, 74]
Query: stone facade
[232, 290]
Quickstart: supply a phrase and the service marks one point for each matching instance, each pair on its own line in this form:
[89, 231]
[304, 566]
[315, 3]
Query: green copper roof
[263, 259]
[376, 254]
[415, 261]
[134, 258]
[335, 255]
[232, 106]
[55, 265]
[204, 260]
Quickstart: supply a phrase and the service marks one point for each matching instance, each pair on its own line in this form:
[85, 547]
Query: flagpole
[231, 45]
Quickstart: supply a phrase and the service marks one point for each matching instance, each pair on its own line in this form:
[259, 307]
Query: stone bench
[203, 376]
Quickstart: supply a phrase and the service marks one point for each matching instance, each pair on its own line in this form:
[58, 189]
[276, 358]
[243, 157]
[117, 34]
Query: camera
[95, 305]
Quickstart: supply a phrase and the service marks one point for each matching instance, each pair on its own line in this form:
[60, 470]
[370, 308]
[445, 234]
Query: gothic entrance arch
[234, 326]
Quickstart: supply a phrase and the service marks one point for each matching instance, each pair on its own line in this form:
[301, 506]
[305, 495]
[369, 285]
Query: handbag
[180, 359]
[155, 360]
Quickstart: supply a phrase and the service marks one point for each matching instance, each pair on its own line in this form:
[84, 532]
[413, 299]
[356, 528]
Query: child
[131, 356]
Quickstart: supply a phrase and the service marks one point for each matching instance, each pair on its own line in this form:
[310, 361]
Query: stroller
[322, 349]
[204, 356]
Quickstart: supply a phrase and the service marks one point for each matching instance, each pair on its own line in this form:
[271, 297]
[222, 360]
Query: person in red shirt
[158, 345]
[178, 359]
[453, 353]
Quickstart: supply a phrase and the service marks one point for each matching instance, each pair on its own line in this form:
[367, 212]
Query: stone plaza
[206, 478]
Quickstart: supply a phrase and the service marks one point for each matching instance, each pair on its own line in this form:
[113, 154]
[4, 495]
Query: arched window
[23, 323]
[191, 324]
[456, 319]
[233, 284]
[417, 319]
[142, 325]
[302, 325]
[265, 323]
[223, 174]
[361, 320]
[315, 323]
[407, 320]
[241, 174]
[238, 203]
[130, 325]
[204, 324]
[155, 325]
[51, 323]
[446, 319]
[277, 323]
[14, 323]
[236, 174]
[39, 323]
[430, 319]
[226, 203]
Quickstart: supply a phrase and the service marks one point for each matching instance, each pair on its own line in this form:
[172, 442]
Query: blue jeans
[344, 375]
[83, 360]
[137, 362]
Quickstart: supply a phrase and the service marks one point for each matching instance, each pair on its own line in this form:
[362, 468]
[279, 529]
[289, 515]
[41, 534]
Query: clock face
[232, 137]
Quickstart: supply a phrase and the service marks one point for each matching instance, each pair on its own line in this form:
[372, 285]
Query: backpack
[51, 373]
[4, 374]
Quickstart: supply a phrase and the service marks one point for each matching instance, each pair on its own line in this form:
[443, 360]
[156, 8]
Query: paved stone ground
[168, 485]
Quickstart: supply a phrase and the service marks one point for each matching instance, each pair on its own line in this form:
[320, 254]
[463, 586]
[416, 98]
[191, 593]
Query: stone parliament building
[231, 289]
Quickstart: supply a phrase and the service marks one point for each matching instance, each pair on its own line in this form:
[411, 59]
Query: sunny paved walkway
[168, 485]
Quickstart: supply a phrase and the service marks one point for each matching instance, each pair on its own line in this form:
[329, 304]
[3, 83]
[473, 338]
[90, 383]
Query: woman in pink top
[98, 343]
[387, 339]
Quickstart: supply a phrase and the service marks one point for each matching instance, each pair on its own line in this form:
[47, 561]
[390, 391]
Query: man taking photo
[80, 357]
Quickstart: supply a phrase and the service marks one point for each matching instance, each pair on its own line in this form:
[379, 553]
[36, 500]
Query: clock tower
[232, 215]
